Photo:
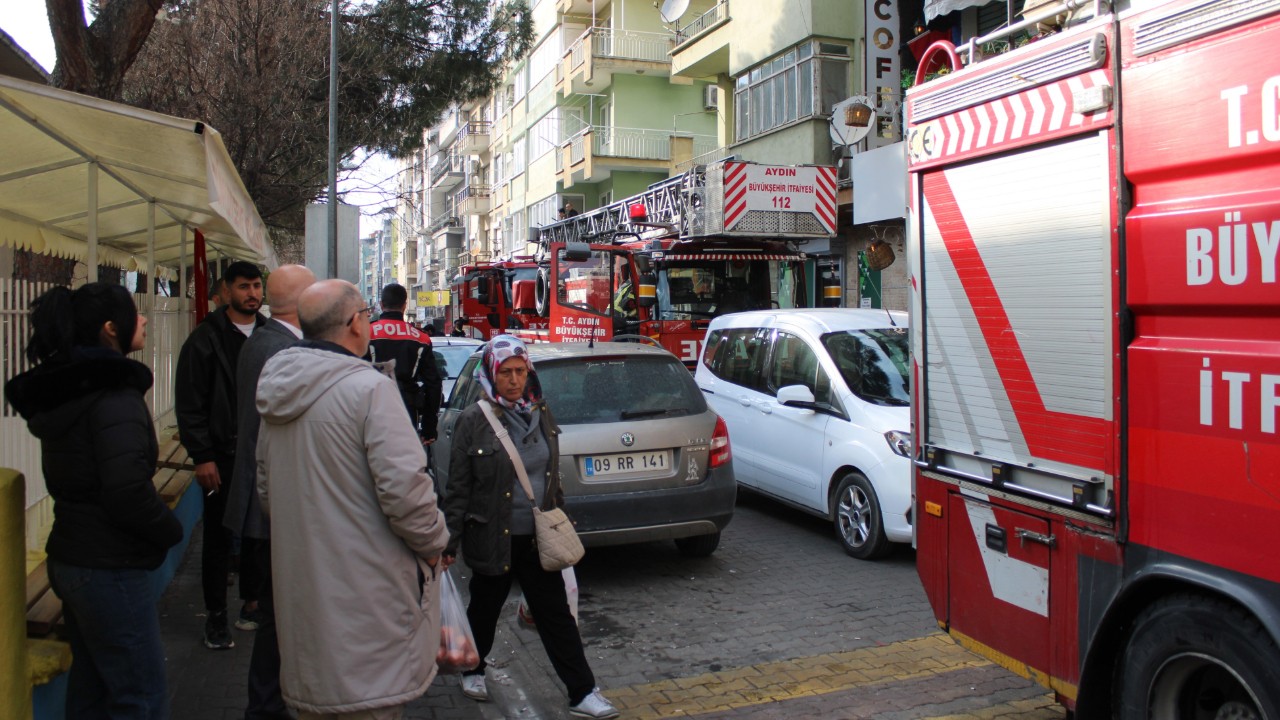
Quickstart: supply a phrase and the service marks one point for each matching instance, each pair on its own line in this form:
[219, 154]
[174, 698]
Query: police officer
[414, 365]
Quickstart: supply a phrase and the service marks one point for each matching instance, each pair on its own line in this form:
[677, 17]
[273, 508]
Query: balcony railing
[640, 143]
[633, 45]
[470, 191]
[704, 21]
[445, 221]
[622, 45]
[451, 162]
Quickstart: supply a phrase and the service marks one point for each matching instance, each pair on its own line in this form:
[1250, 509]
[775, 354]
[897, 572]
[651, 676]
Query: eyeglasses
[368, 311]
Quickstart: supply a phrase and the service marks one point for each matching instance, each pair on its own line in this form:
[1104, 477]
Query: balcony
[701, 45]
[472, 200]
[445, 224]
[447, 172]
[592, 60]
[596, 151]
[473, 138]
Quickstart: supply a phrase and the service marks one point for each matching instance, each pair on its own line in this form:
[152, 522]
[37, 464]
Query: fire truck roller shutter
[542, 292]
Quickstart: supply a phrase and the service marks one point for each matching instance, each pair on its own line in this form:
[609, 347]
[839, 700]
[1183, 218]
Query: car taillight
[720, 444]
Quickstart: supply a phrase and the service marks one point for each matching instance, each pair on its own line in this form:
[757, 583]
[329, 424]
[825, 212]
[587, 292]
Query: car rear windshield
[874, 363]
[602, 390]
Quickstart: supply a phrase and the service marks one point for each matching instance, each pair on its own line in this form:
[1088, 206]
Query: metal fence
[19, 449]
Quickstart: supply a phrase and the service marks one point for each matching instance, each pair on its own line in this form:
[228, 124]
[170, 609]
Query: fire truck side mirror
[577, 251]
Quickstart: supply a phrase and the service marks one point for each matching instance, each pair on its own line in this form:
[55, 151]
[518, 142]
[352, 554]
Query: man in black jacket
[409, 348]
[244, 515]
[205, 399]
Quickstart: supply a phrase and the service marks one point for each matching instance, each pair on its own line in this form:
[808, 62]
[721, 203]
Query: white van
[817, 402]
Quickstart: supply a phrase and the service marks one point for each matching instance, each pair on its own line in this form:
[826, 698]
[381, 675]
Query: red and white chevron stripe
[1037, 114]
[826, 202]
[735, 192]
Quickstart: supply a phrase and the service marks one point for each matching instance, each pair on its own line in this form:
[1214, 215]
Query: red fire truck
[1094, 226]
[719, 238]
[494, 297]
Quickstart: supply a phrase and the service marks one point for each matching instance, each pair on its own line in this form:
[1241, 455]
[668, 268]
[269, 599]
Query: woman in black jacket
[85, 401]
[491, 518]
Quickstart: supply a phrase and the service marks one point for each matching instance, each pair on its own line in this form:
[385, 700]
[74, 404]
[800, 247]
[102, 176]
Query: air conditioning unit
[711, 97]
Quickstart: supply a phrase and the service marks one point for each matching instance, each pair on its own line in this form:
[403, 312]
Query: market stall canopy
[51, 139]
[937, 8]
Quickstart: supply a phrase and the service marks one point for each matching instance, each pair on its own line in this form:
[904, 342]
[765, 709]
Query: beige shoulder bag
[558, 544]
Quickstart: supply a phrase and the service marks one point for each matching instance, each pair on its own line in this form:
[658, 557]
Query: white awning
[935, 8]
[49, 140]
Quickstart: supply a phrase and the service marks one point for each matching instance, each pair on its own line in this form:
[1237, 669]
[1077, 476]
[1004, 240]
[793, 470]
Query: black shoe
[249, 619]
[216, 635]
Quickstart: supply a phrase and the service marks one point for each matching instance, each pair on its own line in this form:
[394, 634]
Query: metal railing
[700, 24]
[475, 127]
[470, 191]
[705, 150]
[633, 45]
[641, 143]
[445, 221]
[451, 162]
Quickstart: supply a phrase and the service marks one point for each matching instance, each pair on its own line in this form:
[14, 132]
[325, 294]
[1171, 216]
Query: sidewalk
[208, 685]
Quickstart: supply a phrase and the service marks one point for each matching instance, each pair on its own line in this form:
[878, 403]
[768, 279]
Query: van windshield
[873, 363]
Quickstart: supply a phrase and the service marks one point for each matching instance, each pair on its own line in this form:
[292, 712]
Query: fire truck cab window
[587, 284]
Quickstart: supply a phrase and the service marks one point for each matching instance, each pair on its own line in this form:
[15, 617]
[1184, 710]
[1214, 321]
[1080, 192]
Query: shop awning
[53, 143]
[936, 8]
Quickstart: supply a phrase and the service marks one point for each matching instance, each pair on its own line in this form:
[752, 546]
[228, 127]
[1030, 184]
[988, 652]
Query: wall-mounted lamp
[857, 115]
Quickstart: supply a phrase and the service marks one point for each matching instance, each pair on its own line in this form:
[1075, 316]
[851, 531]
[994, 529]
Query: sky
[371, 188]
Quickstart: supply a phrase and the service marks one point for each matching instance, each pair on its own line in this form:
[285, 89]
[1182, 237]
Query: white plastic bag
[525, 615]
[457, 645]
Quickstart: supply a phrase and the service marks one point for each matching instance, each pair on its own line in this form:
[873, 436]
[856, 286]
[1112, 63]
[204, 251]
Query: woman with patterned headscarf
[491, 518]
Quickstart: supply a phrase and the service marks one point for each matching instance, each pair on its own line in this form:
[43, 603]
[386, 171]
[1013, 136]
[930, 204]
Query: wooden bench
[174, 475]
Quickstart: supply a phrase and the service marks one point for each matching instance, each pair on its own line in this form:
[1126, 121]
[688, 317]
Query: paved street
[779, 622]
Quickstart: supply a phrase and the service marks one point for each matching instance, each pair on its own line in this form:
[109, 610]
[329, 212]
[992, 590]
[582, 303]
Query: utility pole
[333, 141]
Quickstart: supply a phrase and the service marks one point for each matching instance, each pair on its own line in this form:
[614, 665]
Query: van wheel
[1191, 657]
[542, 292]
[857, 518]
[698, 545]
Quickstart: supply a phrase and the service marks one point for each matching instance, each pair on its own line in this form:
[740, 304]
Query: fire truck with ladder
[495, 297]
[1093, 233]
[719, 238]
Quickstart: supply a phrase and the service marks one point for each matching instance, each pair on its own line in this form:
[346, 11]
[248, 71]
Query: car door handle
[765, 408]
[745, 401]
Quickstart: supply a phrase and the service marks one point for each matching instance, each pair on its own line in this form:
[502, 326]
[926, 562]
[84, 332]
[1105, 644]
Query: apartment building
[593, 114]
[617, 95]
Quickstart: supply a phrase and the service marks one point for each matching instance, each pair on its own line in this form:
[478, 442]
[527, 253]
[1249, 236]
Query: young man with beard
[205, 399]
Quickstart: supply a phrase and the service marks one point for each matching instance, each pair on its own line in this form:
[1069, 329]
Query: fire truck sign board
[774, 188]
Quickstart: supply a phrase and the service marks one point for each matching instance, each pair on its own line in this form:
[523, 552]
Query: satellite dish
[852, 119]
[672, 10]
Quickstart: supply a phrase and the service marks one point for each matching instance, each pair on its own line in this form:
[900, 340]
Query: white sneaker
[474, 687]
[594, 706]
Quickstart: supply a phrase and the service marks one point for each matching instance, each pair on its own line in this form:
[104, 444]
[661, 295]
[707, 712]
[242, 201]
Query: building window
[782, 90]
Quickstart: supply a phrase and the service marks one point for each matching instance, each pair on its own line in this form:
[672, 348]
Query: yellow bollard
[15, 681]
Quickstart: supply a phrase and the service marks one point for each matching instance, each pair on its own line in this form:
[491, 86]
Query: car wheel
[857, 519]
[1191, 657]
[698, 545]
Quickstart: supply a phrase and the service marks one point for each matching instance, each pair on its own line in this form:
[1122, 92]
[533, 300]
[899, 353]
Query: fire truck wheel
[1191, 657]
[542, 292]
[858, 522]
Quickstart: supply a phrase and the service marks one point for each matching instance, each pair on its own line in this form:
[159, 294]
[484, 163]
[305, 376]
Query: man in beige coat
[356, 534]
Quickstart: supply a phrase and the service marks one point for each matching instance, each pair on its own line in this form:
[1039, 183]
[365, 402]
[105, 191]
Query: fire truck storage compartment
[999, 578]
[1017, 256]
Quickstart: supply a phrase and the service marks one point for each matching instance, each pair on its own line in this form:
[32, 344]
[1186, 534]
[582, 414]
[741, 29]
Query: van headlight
[899, 441]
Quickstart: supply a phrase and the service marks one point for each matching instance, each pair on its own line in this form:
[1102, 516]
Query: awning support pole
[183, 306]
[151, 285]
[92, 258]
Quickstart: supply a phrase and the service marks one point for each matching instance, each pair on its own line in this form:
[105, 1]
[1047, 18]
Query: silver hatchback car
[642, 456]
